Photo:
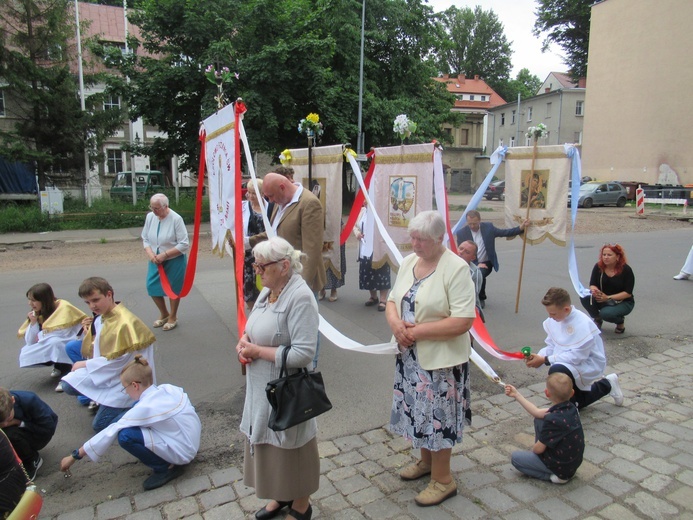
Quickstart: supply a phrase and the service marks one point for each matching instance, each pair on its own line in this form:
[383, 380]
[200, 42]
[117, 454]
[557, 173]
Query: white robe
[100, 379]
[576, 343]
[46, 347]
[170, 426]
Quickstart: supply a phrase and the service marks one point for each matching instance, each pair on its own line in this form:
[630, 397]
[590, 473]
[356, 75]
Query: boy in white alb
[119, 336]
[574, 347]
[162, 430]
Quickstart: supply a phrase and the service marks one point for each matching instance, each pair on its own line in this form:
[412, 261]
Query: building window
[579, 107]
[502, 118]
[114, 161]
[512, 122]
[548, 110]
[471, 97]
[528, 141]
[529, 114]
[483, 98]
[578, 138]
[111, 102]
[2, 103]
[464, 136]
[512, 141]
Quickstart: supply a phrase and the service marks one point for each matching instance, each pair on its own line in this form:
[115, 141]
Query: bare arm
[531, 408]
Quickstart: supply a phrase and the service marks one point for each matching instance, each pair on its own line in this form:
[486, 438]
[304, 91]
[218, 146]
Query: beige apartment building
[639, 102]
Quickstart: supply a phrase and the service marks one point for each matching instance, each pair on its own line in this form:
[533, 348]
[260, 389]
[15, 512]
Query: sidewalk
[638, 464]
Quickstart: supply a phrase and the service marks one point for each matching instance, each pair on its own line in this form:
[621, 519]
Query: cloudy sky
[517, 17]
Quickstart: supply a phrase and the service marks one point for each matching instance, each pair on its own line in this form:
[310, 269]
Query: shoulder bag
[295, 398]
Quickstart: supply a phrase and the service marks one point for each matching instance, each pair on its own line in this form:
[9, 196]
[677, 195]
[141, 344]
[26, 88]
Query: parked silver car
[600, 194]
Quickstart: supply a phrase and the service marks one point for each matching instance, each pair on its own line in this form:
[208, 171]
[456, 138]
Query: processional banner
[221, 153]
[538, 183]
[326, 173]
[402, 187]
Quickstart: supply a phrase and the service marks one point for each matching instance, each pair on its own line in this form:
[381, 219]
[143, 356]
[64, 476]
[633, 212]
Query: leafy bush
[19, 219]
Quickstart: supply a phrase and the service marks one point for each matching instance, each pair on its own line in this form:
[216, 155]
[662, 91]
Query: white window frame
[109, 104]
[114, 160]
[512, 141]
[483, 98]
[579, 108]
[502, 119]
[512, 122]
[529, 114]
[471, 97]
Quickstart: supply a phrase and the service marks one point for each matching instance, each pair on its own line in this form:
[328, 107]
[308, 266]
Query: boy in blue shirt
[560, 441]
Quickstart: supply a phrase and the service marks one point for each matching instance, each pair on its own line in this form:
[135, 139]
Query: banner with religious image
[221, 159]
[402, 187]
[543, 191]
[327, 186]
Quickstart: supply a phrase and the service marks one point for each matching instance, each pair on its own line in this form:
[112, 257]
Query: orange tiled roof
[476, 86]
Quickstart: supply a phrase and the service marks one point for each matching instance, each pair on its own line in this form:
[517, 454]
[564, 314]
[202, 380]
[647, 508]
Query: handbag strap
[284, 371]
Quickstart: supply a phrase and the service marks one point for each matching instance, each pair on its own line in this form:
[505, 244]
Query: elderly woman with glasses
[283, 466]
[430, 309]
[165, 240]
[611, 288]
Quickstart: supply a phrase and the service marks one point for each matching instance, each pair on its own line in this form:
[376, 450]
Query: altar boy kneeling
[162, 429]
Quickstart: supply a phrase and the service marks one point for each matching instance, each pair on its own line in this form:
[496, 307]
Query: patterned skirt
[373, 279]
[430, 407]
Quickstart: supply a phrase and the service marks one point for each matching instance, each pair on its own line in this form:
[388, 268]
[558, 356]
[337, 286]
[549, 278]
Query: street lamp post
[360, 139]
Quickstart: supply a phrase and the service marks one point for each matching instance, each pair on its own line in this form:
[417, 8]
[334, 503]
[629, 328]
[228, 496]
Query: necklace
[272, 298]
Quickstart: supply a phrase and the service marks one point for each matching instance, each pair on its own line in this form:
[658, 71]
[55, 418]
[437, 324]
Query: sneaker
[436, 493]
[59, 388]
[33, 467]
[56, 372]
[557, 480]
[682, 276]
[415, 471]
[93, 406]
[159, 479]
[615, 389]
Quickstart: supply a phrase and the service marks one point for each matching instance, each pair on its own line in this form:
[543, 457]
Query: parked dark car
[600, 194]
[495, 190]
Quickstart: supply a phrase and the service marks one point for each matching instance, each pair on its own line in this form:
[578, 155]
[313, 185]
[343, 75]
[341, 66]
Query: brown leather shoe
[415, 471]
[436, 493]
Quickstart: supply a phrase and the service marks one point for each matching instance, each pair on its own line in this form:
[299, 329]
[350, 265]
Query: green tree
[567, 24]
[474, 43]
[525, 83]
[50, 130]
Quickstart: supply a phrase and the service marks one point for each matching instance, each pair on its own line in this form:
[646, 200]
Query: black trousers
[584, 398]
[27, 444]
[485, 271]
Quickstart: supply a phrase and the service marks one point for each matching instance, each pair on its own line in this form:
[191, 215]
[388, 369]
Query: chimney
[547, 90]
[476, 77]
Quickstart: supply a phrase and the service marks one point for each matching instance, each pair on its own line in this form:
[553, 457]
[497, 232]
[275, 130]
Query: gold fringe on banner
[317, 159]
[404, 158]
[540, 155]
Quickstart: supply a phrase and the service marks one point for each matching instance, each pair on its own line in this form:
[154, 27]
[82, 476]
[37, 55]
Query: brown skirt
[280, 474]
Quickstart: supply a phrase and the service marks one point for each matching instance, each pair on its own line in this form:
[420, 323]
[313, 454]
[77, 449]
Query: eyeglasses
[155, 208]
[260, 268]
[125, 388]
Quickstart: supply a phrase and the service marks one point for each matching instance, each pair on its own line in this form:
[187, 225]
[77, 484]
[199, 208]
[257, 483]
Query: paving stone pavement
[638, 464]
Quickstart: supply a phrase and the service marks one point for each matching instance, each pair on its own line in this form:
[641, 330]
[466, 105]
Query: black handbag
[295, 398]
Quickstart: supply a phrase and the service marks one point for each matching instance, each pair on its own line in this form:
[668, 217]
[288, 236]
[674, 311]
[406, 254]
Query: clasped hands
[246, 350]
[404, 335]
[599, 295]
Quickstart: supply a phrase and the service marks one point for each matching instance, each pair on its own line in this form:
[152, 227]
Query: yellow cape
[121, 332]
[65, 316]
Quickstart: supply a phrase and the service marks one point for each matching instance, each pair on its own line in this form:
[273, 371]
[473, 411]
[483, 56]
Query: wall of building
[638, 103]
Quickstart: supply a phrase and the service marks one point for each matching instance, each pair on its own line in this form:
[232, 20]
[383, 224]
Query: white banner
[544, 190]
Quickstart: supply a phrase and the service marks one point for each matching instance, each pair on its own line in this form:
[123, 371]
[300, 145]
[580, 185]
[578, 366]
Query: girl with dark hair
[50, 324]
[611, 288]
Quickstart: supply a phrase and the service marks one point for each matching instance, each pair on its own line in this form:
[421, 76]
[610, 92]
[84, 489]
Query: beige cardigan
[448, 292]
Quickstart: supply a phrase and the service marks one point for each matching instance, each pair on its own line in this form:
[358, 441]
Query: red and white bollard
[640, 201]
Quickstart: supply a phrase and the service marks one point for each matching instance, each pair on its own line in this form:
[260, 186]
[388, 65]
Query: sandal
[620, 328]
[170, 326]
[161, 322]
[321, 295]
[372, 301]
[381, 306]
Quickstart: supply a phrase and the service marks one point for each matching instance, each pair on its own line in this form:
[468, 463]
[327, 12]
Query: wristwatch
[546, 361]
[76, 455]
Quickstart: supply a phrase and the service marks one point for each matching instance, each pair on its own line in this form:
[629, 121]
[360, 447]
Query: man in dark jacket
[484, 234]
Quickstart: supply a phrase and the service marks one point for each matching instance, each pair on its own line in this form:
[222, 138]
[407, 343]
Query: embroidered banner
[327, 187]
[543, 190]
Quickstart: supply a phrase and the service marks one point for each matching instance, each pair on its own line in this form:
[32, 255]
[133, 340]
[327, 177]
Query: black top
[562, 434]
[37, 416]
[624, 281]
[12, 478]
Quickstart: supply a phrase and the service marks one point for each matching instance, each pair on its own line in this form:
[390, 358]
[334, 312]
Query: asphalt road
[199, 355]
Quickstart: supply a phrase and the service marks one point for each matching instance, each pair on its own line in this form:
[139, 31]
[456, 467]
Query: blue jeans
[132, 441]
[74, 352]
[105, 416]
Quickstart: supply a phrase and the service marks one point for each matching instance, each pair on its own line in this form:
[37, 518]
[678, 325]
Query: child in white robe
[162, 430]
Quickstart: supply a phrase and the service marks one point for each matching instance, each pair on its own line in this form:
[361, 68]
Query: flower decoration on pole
[218, 78]
[537, 132]
[311, 126]
[285, 157]
[404, 127]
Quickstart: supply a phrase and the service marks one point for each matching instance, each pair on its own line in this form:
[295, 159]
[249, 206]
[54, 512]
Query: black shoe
[159, 479]
[33, 467]
[263, 514]
[302, 516]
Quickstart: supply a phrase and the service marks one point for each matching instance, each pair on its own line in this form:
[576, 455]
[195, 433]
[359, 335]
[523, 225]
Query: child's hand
[534, 361]
[66, 462]
[32, 317]
[511, 391]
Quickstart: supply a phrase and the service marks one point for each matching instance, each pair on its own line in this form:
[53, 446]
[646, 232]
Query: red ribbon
[358, 203]
[239, 248]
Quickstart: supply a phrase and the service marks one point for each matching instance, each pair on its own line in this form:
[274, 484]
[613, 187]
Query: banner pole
[524, 235]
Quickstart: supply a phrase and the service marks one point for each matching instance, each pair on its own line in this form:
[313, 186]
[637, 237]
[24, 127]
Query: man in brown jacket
[299, 219]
